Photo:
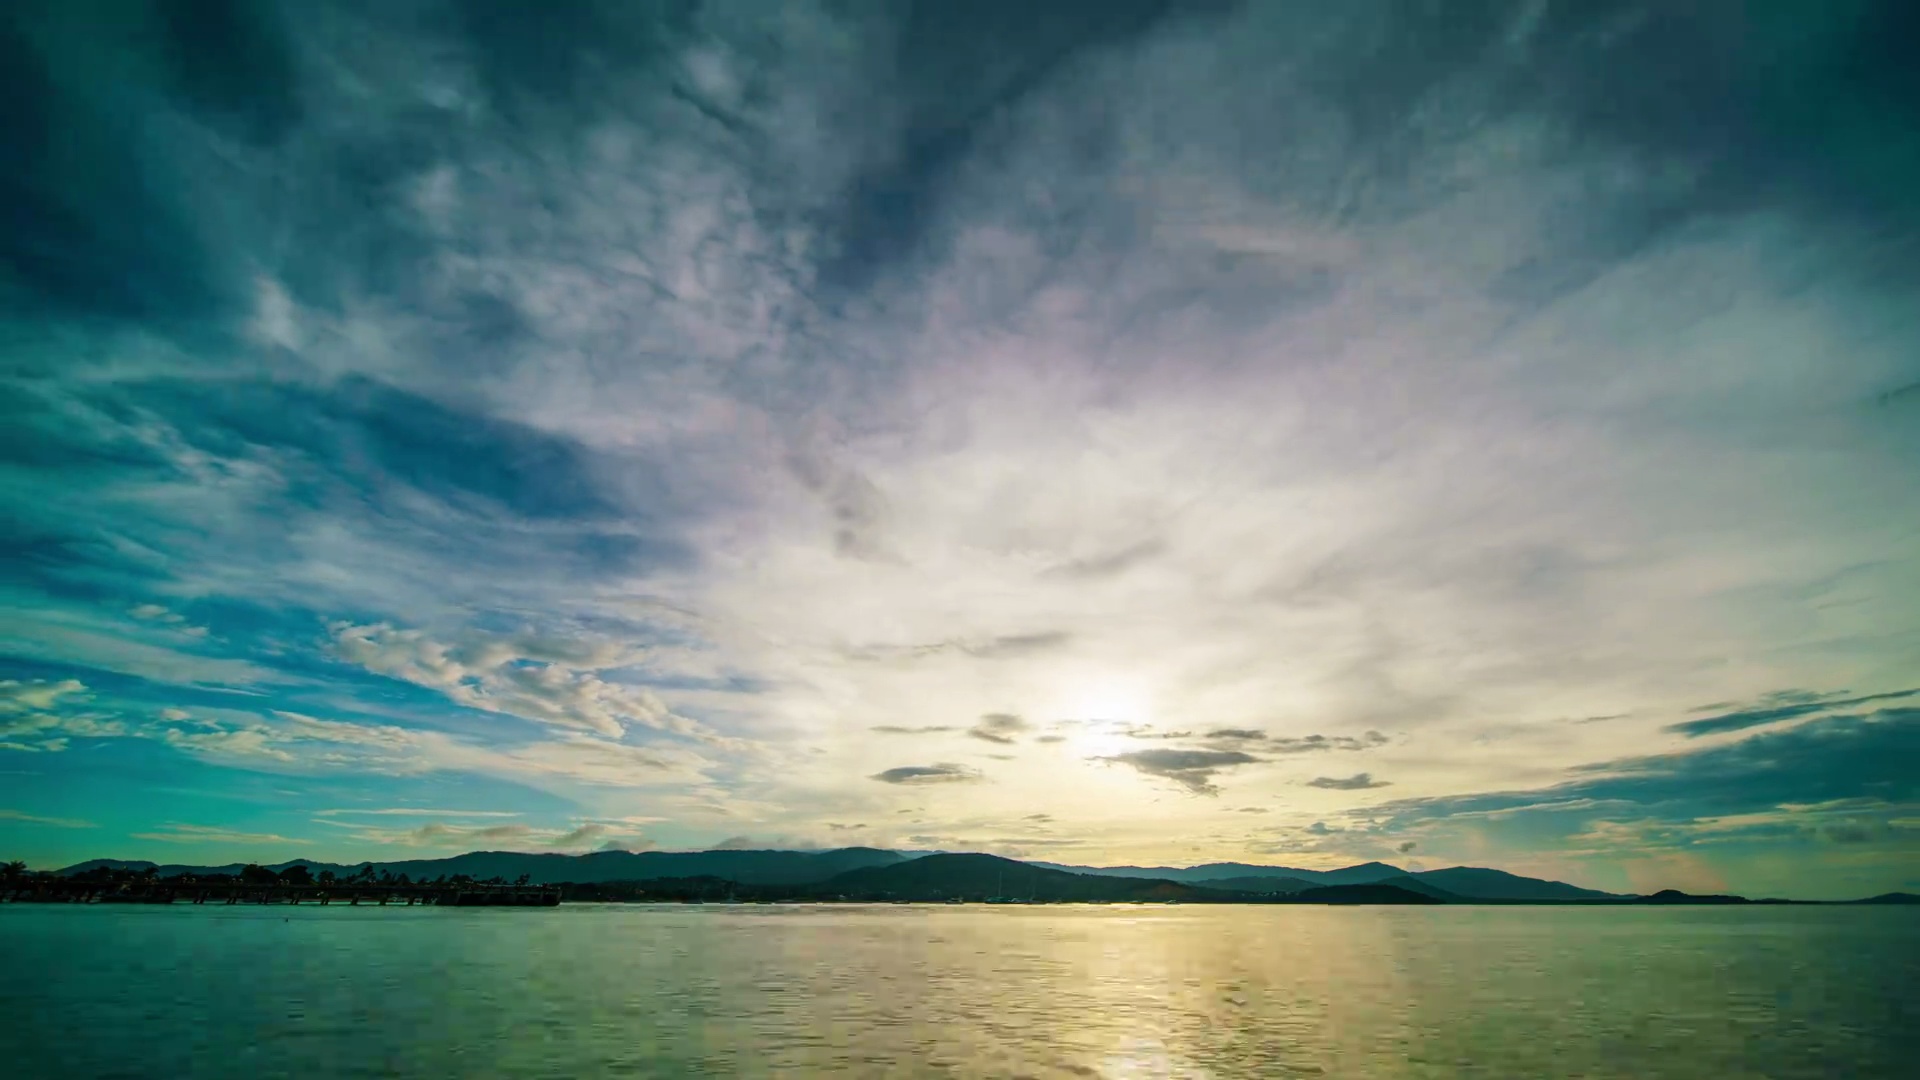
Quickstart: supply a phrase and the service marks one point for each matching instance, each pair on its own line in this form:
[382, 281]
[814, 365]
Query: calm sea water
[585, 991]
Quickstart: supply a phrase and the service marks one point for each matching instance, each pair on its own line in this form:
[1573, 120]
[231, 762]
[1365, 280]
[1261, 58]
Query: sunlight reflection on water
[1114, 992]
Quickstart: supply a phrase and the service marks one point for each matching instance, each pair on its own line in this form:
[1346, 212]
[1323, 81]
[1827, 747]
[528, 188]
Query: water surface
[1055, 991]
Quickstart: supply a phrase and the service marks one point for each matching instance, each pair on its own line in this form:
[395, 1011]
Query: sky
[1106, 432]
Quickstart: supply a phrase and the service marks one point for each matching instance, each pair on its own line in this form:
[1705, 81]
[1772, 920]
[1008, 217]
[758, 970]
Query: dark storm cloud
[1191, 769]
[407, 472]
[230, 62]
[960, 68]
[1856, 756]
[942, 773]
[1356, 782]
[373, 438]
[92, 224]
[535, 55]
[1775, 707]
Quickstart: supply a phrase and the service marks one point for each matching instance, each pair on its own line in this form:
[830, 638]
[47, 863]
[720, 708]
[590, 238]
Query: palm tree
[13, 871]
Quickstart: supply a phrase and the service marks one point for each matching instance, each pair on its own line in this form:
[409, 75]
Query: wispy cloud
[1191, 769]
[1356, 782]
[1002, 728]
[1776, 707]
[51, 822]
[176, 833]
[416, 811]
[944, 773]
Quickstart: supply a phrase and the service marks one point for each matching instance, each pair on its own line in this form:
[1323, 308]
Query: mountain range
[1469, 882]
[744, 867]
[860, 873]
[795, 868]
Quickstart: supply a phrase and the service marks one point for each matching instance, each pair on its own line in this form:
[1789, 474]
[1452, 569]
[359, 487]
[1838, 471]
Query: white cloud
[176, 833]
[549, 682]
[44, 715]
[53, 822]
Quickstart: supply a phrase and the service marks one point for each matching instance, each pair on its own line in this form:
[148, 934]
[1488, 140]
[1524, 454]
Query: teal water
[585, 991]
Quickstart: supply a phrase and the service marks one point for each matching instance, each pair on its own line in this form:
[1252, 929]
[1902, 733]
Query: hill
[1369, 893]
[746, 867]
[987, 877]
[1479, 883]
[1675, 896]
[1261, 886]
[1207, 873]
[1469, 882]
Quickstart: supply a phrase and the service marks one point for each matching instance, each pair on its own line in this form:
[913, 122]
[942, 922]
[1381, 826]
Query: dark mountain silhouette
[1479, 883]
[1675, 896]
[1368, 893]
[985, 877]
[1416, 884]
[1363, 874]
[812, 867]
[746, 867]
[988, 877]
[135, 865]
[860, 872]
[1206, 872]
[1471, 882]
[1260, 885]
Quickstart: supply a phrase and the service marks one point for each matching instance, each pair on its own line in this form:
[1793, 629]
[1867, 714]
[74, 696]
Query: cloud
[1356, 782]
[1237, 734]
[1191, 769]
[1111, 564]
[944, 773]
[251, 742]
[1256, 368]
[1308, 744]
[414, 811]
[45, 715]
[545, 684]
[583, 836]
[999, 728]
[513, 836]
[1788, 778]
[894, 729]
[176, 833]
[997, 647]
[53, 822]
[1290, 744]
[1776, 707]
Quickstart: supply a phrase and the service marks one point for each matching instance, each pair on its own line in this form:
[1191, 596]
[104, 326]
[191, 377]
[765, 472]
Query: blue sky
[1143, 432]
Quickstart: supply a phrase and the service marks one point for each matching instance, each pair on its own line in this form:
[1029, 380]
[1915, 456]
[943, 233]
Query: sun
[1111, 702]
[1101, 710]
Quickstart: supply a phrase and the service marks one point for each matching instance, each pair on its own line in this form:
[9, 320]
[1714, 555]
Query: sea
[959, 991]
